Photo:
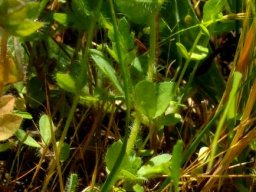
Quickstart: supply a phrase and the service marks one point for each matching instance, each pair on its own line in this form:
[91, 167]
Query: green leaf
[152, 99]
[64, 19]
[126, 42]
[45, 126]
[64, 152]
[17, 17]
[24, 28]
[176, 164]
[199, 53]
[170, 119]
[25, 138]
[156, 166]
[139, 69]
[112, 154]
[182, 49]
[66, 82]
[204, 30]
[84, 11]
[138, 188]
[212, 9]
[127, 37]
[5, 146]
[129, 166]
[232, 111]
[105, 66]
[23, 114]
[139, 11]
[26, 11]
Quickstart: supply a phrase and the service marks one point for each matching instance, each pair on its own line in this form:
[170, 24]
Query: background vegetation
[138, 95]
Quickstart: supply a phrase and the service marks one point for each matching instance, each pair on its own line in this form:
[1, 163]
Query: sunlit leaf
[24, 137]
[112, 154]
[64, 19]
[199, 53]
[129, 166]
[24, 28]
[66, 82]
[6, 104]
[139, 11]
[182, 49]
[24, 114]
[204, 30]
[152, 99]
[45, 126]
[17, 17]
[212, 9]
[176, 163]
[105, 66]
[9, 124]
[156, 166]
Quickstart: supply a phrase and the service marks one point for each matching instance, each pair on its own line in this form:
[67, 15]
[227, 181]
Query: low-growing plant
[139, 95]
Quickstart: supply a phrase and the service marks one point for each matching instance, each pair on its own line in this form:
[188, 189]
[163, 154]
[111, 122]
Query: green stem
[84, 71]
[124, 70]
[192, 75]
[61, 141]
[133, 134]
[177, 28]
[152, 50]
[188, 59]
[89, 38]
[236, 80]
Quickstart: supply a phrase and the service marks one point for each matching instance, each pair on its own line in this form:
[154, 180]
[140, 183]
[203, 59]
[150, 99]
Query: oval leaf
[9, 124]
[26, 139]
[152, 99]
[182, 49]
[45, 126]
[6, 104]
[66, 82]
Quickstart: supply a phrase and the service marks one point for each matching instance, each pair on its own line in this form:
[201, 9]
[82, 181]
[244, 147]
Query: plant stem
[84, 71]
[61, 141]
[188, 59]
[236, 80]
[133, 134]
[152, 50]
[124, 70]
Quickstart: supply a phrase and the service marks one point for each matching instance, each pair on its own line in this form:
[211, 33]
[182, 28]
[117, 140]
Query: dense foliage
[138, 95]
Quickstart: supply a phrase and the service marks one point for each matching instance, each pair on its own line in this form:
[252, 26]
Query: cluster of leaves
[87, 60]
